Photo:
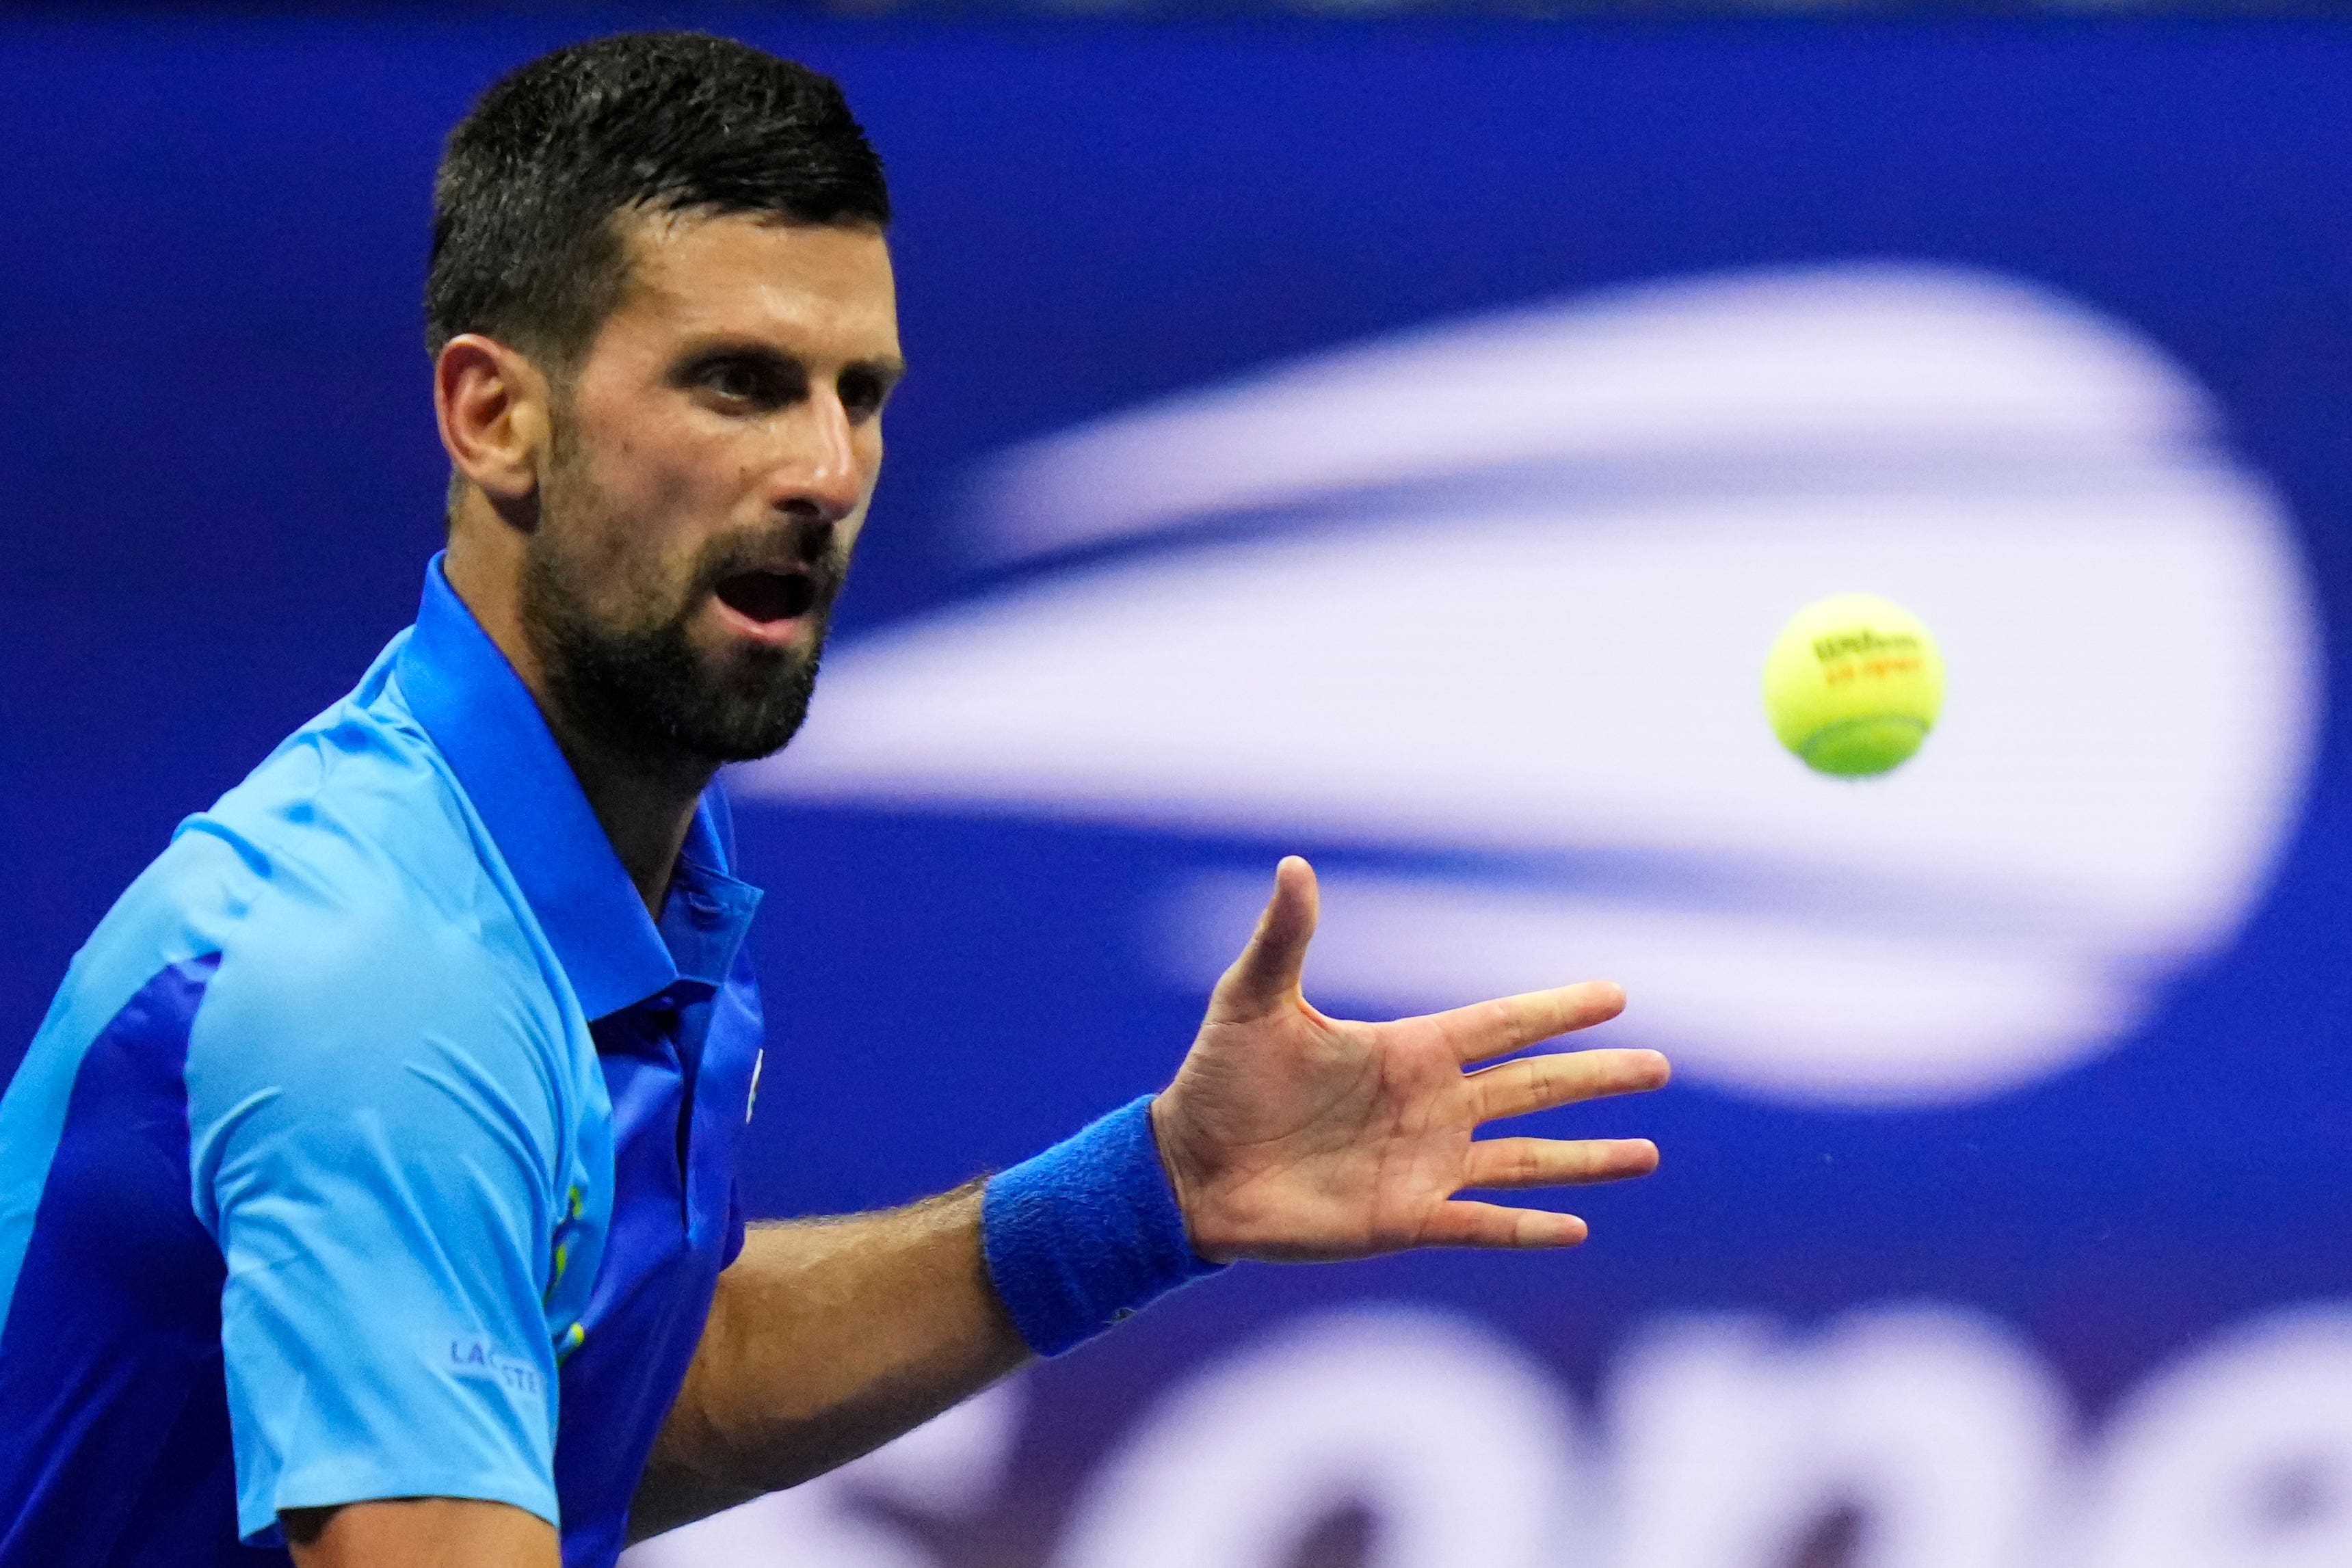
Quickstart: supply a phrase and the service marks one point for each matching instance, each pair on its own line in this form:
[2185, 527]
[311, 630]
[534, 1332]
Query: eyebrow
[891, 368]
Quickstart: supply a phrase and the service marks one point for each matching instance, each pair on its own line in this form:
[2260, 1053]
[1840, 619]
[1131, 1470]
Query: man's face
[713, 457]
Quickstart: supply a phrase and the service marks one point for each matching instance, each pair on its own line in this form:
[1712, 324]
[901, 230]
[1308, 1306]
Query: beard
[634, 683]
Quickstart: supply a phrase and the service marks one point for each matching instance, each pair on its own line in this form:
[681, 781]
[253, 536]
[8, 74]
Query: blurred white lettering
[1455, 1442]
[1908, 1437]
[2241, 1456]
[1921, 1438]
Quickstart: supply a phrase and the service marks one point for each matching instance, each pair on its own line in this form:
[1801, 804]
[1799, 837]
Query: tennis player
[367, 1196]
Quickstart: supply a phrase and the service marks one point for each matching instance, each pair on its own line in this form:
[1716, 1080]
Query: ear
[492, 405]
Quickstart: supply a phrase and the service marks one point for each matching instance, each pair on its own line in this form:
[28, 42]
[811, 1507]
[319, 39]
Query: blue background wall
[220, 484]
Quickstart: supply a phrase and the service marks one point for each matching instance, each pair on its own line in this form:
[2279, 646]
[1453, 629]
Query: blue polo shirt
[378, 1144]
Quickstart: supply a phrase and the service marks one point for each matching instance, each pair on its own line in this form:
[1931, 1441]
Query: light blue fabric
[394, 1103]
[399, 1132]
[379, 1140]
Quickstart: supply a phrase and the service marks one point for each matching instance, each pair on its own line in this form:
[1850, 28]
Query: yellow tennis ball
[1852, 684]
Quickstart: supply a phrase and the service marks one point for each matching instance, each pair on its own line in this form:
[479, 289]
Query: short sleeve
[377, 1133]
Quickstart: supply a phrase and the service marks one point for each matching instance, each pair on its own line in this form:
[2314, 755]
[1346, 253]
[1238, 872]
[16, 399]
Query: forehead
[818, 290]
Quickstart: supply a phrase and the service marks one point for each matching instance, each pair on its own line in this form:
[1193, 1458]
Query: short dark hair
[525, 247]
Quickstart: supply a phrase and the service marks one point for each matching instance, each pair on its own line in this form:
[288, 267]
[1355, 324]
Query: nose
[824, 480]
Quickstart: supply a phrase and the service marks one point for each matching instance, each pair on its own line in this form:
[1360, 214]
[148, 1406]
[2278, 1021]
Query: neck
[646, 812]
[645, 809]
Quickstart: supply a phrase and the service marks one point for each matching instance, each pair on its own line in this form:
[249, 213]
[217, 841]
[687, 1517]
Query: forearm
[827, 1338]
[420, 1533]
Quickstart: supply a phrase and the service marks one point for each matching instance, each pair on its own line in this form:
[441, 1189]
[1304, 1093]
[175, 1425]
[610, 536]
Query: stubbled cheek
[631, 537]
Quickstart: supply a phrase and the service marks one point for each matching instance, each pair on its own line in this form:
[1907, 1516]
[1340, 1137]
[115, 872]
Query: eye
[735, 379]
[746, 381]
[863, 393]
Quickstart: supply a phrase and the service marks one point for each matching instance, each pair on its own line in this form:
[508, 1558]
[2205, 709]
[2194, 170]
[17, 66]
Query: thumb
[1266, 974]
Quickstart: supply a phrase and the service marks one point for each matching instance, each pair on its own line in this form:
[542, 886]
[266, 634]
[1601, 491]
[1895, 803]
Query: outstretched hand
[1288, 1134]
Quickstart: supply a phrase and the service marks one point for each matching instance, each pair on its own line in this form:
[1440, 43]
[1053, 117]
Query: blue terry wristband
[1086, 1233]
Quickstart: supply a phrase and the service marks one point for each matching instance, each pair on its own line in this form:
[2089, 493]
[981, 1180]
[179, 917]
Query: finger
[1557, 1162]
[1462, 1223]
[1266, 974]
[1511, 1023]
[1562, 1078]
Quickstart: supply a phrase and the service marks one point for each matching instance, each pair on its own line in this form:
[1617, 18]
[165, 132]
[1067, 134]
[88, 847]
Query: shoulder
[343, 863]
[355, 805]
[369, 952]
[347, 876]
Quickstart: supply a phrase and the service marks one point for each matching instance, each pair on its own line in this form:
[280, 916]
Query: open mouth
[767, 597]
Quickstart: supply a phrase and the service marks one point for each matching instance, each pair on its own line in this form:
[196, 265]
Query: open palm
[1289, 1135]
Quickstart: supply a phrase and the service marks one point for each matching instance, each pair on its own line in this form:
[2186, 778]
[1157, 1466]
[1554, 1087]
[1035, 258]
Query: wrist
[1184, 1181]
[1088, 1233]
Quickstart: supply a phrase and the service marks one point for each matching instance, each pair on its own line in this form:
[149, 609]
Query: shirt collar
[708, 911]
[487, 726]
